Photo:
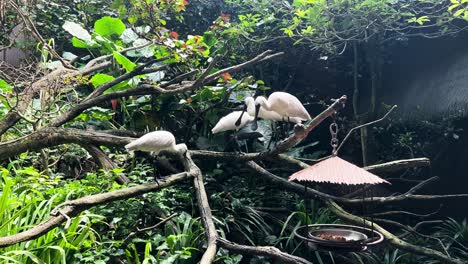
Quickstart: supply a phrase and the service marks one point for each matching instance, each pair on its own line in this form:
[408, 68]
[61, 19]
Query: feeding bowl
[336, 237]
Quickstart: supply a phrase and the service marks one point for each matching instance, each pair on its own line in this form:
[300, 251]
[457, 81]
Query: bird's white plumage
[155, 141]
[266, 114]
[285, 104]
[227, 122]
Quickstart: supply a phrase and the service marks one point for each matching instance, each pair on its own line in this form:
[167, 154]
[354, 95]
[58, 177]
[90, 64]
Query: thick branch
[145, 89]
[299, 135]
[398, 165]
[299, 189]
[50, 137]
[205, 210]
[104, 161]
[272, 252]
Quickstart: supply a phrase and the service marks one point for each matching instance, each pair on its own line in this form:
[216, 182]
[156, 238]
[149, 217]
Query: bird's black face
[238, 122]
[254, 124]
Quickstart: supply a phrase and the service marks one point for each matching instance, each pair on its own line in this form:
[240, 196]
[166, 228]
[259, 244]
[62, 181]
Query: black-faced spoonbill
[228, 122]
[285, 104]
[156, 142]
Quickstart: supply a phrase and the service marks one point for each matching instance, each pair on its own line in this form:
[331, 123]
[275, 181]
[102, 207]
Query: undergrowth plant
[23, 208]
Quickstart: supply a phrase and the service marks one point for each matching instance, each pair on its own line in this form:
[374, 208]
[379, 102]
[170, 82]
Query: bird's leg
[233, 142]
[237, 144]
[254, 124]
[239, 121]
[284, 129]
[133, 164]
[156, 172]
[273, 134]
[277, 134]
[246, 146]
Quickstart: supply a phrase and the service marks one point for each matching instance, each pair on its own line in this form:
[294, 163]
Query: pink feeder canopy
[338, 171]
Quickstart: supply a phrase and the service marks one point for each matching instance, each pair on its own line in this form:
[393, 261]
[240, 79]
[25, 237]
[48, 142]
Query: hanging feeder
[337, 171]
[336, 237]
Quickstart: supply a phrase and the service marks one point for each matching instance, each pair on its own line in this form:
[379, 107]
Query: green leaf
[78, 43]
[458, 13]
[5, 87]
[101, 78]
[209, 39]
[453, 7]
[108, 26]
[128, 36]
[124, 61]
[77, 31]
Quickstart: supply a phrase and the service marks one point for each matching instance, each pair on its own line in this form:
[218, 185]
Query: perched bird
[268, 115]
[228, 122]
[285, 104]
[156, 142]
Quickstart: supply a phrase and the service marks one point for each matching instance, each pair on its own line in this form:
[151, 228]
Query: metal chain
[334, 137]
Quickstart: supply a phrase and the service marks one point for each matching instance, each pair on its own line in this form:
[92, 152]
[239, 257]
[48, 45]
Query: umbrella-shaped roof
[338, 171]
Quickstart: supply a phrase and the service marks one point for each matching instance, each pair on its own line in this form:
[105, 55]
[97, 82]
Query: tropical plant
[22, 207]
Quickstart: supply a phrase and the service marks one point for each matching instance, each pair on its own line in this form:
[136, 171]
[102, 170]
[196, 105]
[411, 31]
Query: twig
[407, 213]
[272, 252]
[102, 88]
[421, 185]
[130, 236]
[205, 73]
[364, 125]
[179, 78]
[94, 61]
[412, 231]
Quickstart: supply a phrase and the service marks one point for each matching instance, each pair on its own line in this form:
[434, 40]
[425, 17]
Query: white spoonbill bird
[265, 114]
[228, 122]
[285, 104]
[156, 142]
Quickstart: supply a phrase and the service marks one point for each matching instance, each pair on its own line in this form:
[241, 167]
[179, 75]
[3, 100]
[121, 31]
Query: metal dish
[335, 237]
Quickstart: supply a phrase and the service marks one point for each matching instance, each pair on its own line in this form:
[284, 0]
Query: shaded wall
[14, 56]
[428, 77]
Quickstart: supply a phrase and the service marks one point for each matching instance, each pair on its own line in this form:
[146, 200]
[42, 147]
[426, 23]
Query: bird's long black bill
[254, 124]
[238, 122]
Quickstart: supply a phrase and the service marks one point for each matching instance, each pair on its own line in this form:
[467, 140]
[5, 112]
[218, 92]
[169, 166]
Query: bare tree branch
[130, 236]
[104, 161]
[271, 252]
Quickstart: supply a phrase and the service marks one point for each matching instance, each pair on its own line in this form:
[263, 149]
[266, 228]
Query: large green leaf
[101, 78]
[122, 60]
[77, 31]
[108, 26]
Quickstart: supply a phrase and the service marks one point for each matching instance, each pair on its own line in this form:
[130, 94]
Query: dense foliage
[180, 36]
